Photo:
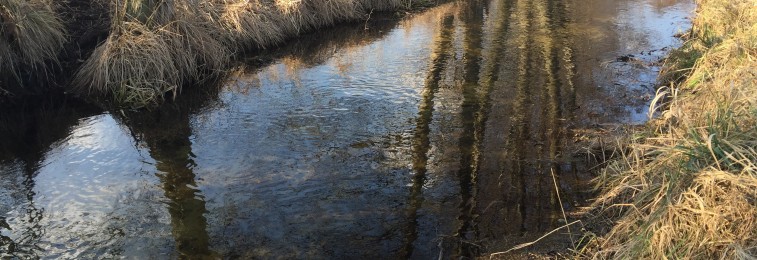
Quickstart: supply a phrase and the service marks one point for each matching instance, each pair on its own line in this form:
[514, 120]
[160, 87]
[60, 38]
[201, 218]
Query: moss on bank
[686, 187]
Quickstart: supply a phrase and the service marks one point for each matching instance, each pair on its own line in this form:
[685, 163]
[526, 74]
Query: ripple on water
[78, 189]
[354, 153]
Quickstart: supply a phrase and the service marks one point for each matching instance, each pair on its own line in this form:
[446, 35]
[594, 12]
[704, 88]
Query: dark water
[435, 135]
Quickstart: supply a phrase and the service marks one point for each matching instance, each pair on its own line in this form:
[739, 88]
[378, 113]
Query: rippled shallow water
[434, 135]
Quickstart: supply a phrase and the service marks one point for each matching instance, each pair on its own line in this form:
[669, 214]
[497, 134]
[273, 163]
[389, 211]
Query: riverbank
[138, 52]
[685, 186]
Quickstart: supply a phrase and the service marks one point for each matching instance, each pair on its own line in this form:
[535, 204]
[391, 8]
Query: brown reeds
[686, 187]
[30, 35]
[153, 48]
[156, 47]
[262, 23]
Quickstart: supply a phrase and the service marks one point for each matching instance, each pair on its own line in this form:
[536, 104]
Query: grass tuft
[688, 187]
[155, 47]
[136, 66]
[30, 35]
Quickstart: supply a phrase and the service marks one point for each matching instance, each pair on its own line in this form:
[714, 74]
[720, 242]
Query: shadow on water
[520, 57]
[28, 128]
[166, 132]
[315, 48]
[475, 92]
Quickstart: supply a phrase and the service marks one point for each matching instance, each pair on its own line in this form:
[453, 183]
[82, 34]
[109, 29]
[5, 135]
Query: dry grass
[687, 186]
[30, 35]
[155, 47]
[136, 66]
[251, 25]
[262, 23]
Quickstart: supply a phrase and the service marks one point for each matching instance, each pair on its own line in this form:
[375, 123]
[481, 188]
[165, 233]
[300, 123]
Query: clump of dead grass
[687, 185]
[263, 23]
[136, 66]
[154, 48]
[250, 24]
[31, 34]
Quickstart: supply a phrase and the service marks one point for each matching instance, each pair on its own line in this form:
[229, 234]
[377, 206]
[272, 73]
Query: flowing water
[441, 134]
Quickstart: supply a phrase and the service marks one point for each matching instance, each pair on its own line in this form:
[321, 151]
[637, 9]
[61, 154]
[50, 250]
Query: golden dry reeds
[30, 35]
[686, 187]
[136, 66]
[251, 24]
[155, 47]
[262, 23]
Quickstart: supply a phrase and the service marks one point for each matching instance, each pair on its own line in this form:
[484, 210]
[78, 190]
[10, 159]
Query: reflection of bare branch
[173, 160]
[421, 143]
[472, 15]
[166, 133]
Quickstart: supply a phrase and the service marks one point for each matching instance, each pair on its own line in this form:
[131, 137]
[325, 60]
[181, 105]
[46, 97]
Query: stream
[438, 135]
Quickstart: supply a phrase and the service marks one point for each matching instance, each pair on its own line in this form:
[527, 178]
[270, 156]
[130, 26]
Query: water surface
[441, 134]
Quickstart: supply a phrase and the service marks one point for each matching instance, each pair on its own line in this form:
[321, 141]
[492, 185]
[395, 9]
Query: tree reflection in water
[166, 131]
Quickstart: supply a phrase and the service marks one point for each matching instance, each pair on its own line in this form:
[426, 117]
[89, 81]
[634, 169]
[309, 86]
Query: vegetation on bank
[155, 47]
[31, 36]
[685, 187]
